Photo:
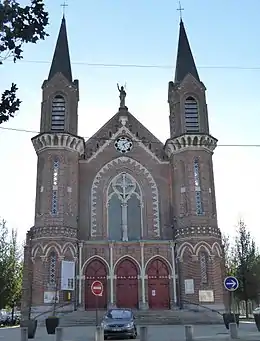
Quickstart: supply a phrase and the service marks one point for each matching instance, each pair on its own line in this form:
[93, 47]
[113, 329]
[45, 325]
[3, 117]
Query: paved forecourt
[247, 331]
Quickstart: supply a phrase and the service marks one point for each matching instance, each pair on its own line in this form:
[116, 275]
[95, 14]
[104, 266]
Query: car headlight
[129, 325]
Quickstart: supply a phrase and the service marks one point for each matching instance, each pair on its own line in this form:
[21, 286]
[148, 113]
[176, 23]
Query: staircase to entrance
[148, 317]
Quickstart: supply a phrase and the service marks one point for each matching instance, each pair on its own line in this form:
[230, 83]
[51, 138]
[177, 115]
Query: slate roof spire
[185, 62]
[61, 57]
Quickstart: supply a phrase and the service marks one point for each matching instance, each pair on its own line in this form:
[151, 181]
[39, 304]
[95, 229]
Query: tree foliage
[246, 256]
[229, 263]
[242, 260]
[18, 25]
[10, 267]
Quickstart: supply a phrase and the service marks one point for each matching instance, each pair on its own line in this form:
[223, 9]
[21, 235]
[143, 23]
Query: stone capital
[194, 258]
[44, 259]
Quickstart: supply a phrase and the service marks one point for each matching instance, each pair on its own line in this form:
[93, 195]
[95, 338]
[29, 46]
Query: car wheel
[134, 336]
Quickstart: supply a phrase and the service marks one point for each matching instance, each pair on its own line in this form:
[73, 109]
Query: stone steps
[169, 317]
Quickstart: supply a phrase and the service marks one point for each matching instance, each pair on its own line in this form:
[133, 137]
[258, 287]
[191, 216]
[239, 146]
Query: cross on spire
[64, 5]
[180, 9]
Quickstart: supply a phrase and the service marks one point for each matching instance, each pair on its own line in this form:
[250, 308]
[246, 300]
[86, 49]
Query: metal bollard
[24, 334]
[99, 334]
[233, 332]
[59, 334]
[188, 333]
[143, 333]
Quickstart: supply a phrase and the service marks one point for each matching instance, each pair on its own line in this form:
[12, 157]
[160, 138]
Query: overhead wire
[114, 139]
[155, 66]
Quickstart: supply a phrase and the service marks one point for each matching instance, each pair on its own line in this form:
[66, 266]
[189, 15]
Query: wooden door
[158, 285]
[96, 270]
[127, 285]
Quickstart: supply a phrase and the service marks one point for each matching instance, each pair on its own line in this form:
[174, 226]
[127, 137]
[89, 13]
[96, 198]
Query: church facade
[122, 207]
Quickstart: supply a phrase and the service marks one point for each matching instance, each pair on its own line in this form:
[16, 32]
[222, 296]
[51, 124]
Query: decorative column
[111, 274]
[80, 277]
[174, 274]
[143, 304]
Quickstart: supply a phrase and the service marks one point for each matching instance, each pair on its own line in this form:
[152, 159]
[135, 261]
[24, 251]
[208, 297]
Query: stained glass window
[52, 269]
[203, 268]
[54, 203]
[124, 209]
[198, 197]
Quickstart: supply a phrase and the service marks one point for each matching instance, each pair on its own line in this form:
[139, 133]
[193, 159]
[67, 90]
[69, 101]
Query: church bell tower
[53, 238]
[57, 146]
[190, 149]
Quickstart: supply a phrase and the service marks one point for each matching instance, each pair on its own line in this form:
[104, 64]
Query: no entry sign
[97, 288]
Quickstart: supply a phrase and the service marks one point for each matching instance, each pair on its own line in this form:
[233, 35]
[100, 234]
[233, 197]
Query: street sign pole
[96, 301]
[97, 290]
[231, 284]
[233, 305]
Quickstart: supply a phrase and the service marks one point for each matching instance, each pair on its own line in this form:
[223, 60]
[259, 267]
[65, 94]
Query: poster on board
[67, 275]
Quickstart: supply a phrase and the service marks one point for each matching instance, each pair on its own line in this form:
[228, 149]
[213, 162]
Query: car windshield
[119, 314]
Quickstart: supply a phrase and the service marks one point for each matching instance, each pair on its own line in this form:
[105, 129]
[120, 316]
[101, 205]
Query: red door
[96, 270]
[127, 285]
[158, 285]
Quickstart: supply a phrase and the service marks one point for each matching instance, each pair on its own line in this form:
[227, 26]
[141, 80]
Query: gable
[125, 123]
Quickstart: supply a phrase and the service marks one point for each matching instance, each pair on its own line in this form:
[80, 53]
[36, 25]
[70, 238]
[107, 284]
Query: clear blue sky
[221, 33]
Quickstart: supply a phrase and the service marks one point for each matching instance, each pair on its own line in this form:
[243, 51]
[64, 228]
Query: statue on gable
[122, 96]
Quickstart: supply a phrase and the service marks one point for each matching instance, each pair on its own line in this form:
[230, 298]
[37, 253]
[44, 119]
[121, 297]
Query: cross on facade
[180, 9]
[64, 5]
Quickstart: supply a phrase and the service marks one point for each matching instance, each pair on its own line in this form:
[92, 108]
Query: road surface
[155, 333]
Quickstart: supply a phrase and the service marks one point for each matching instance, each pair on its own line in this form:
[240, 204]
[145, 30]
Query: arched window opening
[191, 115]
[124, 209]
[53, 270]
[203, 268]
[58, 113]
[198, 196]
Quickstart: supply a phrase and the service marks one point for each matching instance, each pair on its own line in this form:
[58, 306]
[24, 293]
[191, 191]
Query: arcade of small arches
[211, 250]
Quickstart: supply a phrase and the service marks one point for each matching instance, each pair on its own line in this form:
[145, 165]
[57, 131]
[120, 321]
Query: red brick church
[123, 207]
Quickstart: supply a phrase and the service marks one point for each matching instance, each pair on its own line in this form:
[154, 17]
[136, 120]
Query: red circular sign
[97, 288]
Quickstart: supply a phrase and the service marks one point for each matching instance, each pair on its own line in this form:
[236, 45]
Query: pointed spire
[185, 63]
[61, 57]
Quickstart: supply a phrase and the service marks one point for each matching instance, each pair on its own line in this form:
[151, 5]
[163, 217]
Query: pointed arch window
[58, 113]
[124, 209]
[203, 267]
[52, 269]
[191, 115]
[198, 197]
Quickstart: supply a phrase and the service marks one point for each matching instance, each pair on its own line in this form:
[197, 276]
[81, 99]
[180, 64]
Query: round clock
[123, 144]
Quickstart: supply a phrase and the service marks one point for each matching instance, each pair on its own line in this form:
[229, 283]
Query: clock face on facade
[123, 144]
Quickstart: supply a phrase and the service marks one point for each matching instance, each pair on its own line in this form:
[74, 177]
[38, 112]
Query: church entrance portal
[158, 285]
[96, 270]
[127, 284]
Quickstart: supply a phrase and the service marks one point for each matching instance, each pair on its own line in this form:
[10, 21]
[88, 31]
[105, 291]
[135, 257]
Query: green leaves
[10, 267]
[9, 104]
[242, 260]
[18, 25]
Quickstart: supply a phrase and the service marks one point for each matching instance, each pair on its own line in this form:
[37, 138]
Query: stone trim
[190, 142]
[200, 231]
[58, 141]
[195, 249]
[146, 173]
[126, 131]
[54, 231]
